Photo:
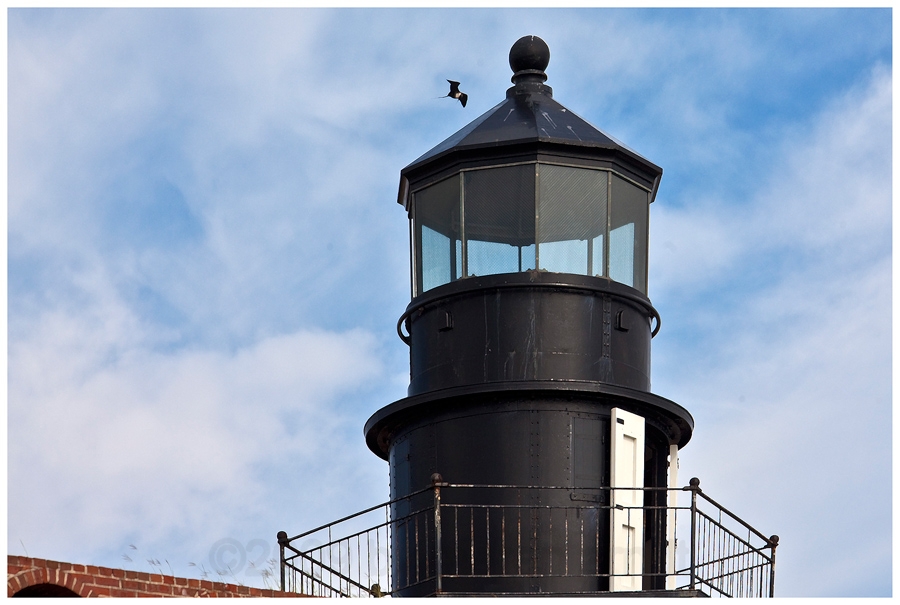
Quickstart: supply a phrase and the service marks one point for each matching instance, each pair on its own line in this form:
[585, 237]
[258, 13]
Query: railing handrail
[359, 514]
[769, 542]
[728, 570]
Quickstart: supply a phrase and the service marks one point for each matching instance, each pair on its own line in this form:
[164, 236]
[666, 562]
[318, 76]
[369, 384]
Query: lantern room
[534, 215]
[527, 186]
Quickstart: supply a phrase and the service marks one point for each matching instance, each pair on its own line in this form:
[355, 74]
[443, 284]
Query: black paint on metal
[513, 378]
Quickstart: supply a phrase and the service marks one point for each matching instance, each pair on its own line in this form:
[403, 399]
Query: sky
[206, 263]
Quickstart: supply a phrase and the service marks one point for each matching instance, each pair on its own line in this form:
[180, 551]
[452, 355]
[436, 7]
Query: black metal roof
[529, 114]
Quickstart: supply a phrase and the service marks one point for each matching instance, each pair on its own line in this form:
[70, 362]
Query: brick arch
[40, 575]
[45, 590]
[50, 582]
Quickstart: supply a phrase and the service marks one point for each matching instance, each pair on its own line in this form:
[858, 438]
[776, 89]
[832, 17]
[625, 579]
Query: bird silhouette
[456, 94]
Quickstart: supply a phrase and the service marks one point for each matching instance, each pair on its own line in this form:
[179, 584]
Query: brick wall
[39, 577]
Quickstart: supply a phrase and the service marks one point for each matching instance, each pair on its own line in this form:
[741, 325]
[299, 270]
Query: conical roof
[529, 114]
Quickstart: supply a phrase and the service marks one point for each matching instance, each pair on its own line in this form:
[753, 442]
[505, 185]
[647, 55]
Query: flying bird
[456, 94]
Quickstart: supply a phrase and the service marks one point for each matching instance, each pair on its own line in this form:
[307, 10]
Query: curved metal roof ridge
[528, 114]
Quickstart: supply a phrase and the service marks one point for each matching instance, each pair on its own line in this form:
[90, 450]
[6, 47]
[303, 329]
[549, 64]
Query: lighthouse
[530, 456]
[529, 332]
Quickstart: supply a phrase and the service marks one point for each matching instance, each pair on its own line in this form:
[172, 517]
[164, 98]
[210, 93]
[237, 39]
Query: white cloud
[789, 378]
[175, 391]
[117, 440]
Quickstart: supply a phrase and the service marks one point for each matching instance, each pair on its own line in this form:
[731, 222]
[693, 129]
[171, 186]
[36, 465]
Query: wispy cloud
[206, 260]
[793, 381]
[132, 441]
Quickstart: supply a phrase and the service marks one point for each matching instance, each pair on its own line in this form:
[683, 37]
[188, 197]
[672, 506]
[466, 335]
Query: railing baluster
[456, 540]
[436, 482]
[581, 551]
[503, 539]
[487, 533]
[693, 561]
[727, 556]
[406, 537]
[773, 543]
[550, 558]
[519, 540]
[472, 541]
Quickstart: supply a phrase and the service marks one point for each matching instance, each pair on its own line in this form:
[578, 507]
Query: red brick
[103, 581]
[105, 572]
[72, 580]
[23, 572]
[32, 577]
[160, 589]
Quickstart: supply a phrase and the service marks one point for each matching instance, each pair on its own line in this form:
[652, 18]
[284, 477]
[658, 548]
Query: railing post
[437, 482]
[694, 487]
[282, 539]
[773, 542]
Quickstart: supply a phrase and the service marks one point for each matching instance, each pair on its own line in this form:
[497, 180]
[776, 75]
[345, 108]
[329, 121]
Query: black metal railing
[494, 539]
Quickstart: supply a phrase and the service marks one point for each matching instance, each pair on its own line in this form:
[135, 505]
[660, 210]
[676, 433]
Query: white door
[672, 502]
[627, 518]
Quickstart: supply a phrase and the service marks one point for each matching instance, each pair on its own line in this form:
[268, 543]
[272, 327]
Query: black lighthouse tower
[529, 456]
[529, 331]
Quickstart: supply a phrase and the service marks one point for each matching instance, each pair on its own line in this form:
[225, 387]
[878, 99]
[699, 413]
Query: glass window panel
[527, 256]
[571, 219]
[621, 254]
[488, 258]
[565, 257]
[435, 259]
[628, 223]
[438, 237]
[597, 252]
[499, 219]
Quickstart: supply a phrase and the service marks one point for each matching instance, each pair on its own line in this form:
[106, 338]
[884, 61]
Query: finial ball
[529, 52]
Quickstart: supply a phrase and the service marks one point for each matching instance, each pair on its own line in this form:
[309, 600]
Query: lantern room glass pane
[438, 257]
[628, 225]
[571, 219]
[498, 207]
[598, 253]
[565, 257]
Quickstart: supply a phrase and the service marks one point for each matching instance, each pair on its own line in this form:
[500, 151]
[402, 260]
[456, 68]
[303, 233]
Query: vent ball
[529, 53]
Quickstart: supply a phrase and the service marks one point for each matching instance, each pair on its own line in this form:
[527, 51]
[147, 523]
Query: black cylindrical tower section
[529, 332]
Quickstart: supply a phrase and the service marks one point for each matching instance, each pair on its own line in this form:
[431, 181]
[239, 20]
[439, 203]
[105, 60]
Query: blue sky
[206, 261]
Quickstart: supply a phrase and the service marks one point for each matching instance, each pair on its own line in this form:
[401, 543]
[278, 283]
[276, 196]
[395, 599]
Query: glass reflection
[511, 219]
